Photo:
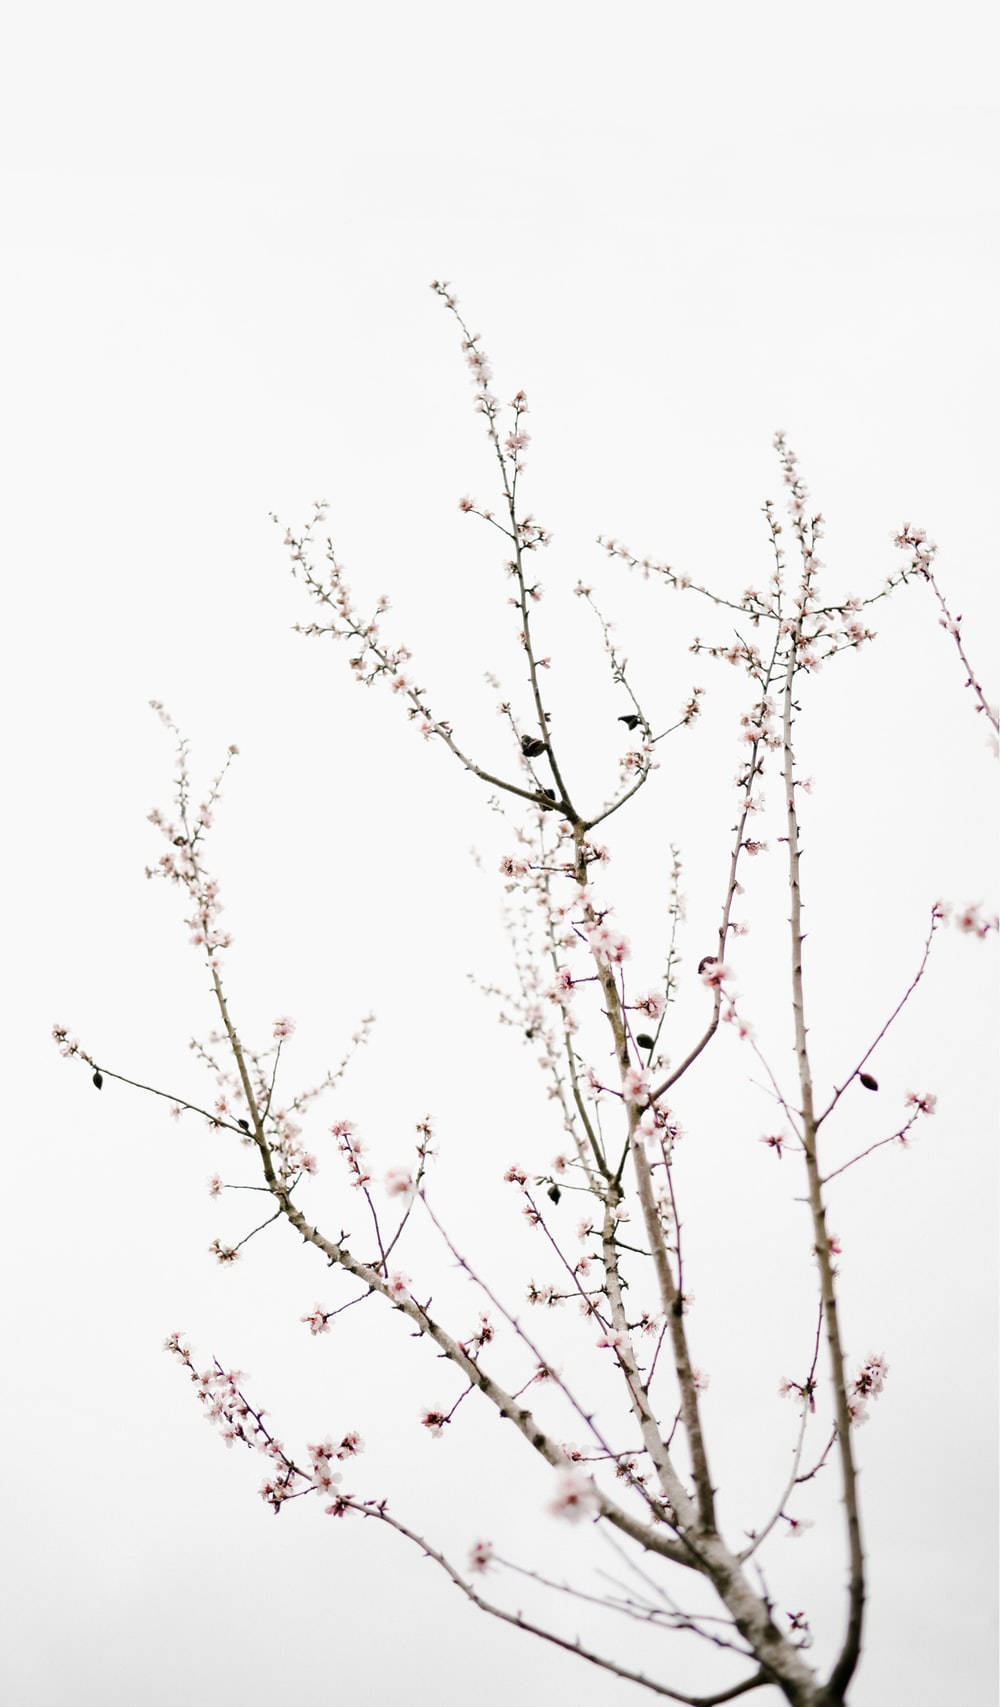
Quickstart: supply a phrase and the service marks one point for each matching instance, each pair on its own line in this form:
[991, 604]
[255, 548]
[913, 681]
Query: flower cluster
[69, 1046]
[352, 1149]
[229, 1410]
[922, 1103]
[713, 972]
[868, 1384]
[920, 550]
[373, 656]
[482, 1337]
[974, 922]
[608, 946]
[180, 864]
[804, 1390]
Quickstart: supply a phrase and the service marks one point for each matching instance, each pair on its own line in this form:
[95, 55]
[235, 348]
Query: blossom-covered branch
[601, 1035]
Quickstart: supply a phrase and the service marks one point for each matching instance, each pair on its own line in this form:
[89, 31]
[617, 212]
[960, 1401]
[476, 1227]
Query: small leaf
[630, 720]
[98, 1079]
[531, 746]
[869, 1083]
[245, 1125]
[554, 1193]
[644, 1040]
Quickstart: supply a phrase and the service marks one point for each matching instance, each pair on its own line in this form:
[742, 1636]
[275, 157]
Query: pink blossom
[283, 1027]
[972, 921]
[480, 1555]
[804, 1390]
[635, 1084]
[714, 972]
[214, 1186]
[575, 1497]
[482, 1336]
[651, 1004]
[609, 947]
[398, 1285]
[731, 1017]
[324, 1478]
[594, 1084]
[433, 1422]
[925, 1104]
[870, 1380]
[317, 1321]
[647, 1127]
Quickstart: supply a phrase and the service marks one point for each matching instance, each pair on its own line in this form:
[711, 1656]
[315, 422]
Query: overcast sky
[678, 228]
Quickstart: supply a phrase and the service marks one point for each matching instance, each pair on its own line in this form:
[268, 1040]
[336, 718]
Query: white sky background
[678, 231]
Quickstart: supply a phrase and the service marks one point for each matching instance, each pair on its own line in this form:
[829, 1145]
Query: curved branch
[897, 1010]
[574, 1646]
